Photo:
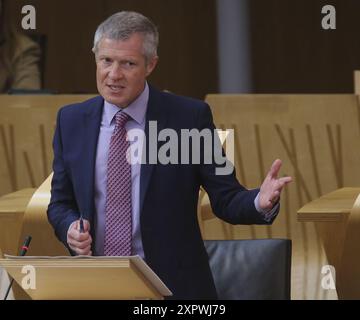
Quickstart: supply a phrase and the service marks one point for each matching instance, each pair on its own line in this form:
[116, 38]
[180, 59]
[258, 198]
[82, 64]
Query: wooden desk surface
[334, 206]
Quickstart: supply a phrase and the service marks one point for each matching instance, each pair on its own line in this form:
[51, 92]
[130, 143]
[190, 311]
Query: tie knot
[121, 118]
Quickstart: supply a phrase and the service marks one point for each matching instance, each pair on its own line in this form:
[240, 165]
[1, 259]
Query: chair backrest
[36, 224]
[27, 124]
[251, 269]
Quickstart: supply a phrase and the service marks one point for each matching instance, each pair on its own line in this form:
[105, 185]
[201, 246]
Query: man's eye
[107, 60]
[128, 64]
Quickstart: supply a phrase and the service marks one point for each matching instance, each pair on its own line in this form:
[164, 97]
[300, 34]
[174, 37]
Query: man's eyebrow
[104, 56]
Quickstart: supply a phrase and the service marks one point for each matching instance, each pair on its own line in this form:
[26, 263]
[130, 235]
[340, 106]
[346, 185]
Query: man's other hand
[271, 187]
[79, 242]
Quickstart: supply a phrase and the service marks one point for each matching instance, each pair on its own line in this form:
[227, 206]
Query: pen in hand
[81, 225]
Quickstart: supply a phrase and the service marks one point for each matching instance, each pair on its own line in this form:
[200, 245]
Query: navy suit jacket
[171, 236]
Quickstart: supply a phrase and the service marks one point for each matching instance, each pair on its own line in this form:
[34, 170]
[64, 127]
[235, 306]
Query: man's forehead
[135, 38]
[130, 45]
[120, 51]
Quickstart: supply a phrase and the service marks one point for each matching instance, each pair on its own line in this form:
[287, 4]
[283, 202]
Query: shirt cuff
[268, 214]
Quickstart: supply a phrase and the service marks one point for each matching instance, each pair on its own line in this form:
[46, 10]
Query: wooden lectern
[110, 278]
[337, 219]
[60, 276]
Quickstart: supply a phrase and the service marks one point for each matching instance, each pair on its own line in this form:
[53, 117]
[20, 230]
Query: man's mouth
[116, 88]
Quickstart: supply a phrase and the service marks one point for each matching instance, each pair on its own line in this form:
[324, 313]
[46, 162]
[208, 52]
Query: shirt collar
[136, 109]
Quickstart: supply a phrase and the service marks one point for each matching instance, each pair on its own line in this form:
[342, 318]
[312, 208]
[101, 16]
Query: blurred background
[209, 46]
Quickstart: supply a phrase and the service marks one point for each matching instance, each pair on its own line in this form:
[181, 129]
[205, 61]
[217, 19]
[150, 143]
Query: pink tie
[118, 228]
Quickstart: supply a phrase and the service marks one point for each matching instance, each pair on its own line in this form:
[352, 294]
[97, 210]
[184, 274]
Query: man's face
[122, 70]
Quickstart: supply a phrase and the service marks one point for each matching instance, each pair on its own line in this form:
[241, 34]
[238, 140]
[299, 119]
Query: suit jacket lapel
[155, 112]
[92, 120]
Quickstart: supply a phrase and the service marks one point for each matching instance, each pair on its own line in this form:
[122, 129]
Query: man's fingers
[80, 242]
[80, 245]
[76, 225]
[275, 168]
[77, 235]
[280, 183]
[272, 186]
[285, 180]
[85, 251]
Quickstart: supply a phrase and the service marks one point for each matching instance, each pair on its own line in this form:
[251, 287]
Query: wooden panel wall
[188, 59]
[291, 53]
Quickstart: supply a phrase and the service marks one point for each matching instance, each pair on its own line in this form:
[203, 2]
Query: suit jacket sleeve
[62, 210]
[230, 201]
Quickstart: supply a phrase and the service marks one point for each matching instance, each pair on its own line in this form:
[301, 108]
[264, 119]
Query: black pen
[81, 225]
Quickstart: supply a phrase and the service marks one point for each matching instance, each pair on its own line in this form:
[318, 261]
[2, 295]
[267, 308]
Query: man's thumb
[86, 225]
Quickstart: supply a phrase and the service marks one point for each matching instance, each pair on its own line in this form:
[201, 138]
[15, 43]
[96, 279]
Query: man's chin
[119, 102]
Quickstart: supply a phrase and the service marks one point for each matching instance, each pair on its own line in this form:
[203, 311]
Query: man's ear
[151, 65]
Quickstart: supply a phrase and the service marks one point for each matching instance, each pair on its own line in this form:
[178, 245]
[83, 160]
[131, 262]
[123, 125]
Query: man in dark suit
[149, 207]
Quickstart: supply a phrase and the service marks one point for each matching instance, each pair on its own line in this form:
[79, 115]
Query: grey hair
[121, 25]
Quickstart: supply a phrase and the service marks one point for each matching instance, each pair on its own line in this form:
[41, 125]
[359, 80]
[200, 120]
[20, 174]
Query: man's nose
[116, 72]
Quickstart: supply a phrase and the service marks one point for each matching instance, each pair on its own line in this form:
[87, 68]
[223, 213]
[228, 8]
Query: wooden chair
[35, 223]
[27, 124]
[336, 216]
